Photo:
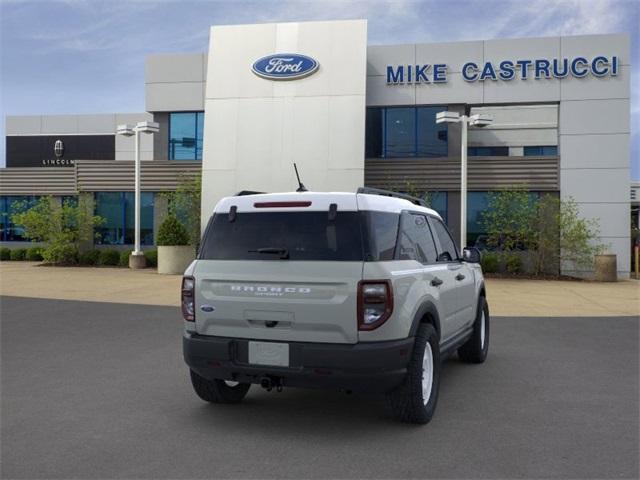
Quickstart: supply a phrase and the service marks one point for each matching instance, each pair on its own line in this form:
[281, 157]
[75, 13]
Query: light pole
[136, 259]
[477, 120]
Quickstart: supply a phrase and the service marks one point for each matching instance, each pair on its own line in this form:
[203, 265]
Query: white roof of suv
[318, 201]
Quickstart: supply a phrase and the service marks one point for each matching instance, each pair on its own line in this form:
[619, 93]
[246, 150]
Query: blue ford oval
[285, 66]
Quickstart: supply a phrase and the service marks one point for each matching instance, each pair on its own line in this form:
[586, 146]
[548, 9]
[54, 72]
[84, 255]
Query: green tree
[184, 203]
[172, 232]
[61, 227]
[545, 246]
[579, 237]
[508, 219]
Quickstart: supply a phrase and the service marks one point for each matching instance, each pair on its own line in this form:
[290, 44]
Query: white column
[136, 250]
[463, 184]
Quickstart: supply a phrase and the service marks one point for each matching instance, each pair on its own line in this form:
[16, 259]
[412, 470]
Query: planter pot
[173, 260]
[606, 268]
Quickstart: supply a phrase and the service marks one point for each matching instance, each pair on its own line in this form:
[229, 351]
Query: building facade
[351, 114]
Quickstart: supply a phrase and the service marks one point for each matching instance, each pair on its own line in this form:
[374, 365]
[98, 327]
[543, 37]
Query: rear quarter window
[379, 231]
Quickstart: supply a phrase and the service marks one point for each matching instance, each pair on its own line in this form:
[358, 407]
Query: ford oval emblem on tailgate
[207, 308]
[284, 66]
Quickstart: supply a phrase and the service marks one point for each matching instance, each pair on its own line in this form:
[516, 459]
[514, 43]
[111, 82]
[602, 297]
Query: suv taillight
[188, 308]
[375, 303]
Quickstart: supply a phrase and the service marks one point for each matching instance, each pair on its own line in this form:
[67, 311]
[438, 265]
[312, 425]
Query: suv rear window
[303, 235]
[352, 236]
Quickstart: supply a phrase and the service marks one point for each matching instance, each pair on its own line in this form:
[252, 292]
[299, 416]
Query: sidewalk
[531, 298]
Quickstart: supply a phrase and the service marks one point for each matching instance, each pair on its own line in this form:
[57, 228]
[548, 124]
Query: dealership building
[348, 114]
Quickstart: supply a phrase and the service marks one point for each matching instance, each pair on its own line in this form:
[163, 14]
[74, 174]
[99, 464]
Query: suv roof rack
[389, 193]
[242, 193]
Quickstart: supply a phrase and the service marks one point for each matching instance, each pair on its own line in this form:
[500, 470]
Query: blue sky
[74, 56]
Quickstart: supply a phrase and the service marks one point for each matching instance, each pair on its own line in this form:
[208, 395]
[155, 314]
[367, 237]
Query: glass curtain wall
[9, 231]
[185, 135]
[393, 132]
[117, 209]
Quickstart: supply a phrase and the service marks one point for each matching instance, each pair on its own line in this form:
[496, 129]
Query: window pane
[541, 151]
[305, 236]
[182, 136]
[380, 231]
[488, 151]
[477, 202]
[448, 252]
[146, 218]
[4, 217]
[400, 131]
[432, 137]
[199, 135]
[438, 202]
[373, 133]
[11, 205]
[109, 206]
[416, 242]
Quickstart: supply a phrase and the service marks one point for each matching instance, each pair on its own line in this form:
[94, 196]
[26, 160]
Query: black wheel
[218, 391]
[476, 348]
[415, 400]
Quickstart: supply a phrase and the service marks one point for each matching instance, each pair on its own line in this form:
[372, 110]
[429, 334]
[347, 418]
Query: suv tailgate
[316, 301]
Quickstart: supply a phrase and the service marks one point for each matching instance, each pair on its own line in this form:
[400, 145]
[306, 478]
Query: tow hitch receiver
[271, 382]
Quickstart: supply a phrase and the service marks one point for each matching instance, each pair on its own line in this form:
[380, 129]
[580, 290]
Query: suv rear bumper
[366, 367]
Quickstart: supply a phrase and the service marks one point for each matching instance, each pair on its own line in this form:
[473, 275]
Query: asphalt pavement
[99, 390]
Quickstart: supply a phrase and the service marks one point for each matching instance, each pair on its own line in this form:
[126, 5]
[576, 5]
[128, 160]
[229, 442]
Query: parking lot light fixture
[477, 120]
[136, 260]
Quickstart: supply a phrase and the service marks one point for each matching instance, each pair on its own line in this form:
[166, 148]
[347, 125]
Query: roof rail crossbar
[242, 193]
[389, 193]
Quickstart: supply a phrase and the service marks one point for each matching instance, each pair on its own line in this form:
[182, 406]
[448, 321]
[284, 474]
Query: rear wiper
[283, 252]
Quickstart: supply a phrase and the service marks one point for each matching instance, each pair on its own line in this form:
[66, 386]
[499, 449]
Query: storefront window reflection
[117, 209]
[405, 132]
[185, 135]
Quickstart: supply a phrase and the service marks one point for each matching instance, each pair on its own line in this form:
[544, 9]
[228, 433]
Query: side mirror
[471, 255]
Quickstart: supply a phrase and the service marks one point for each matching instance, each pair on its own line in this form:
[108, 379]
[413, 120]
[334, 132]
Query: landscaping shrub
[61, 227]
[172, 232]
[18, 254]
[34, 254]
[90, 257]
[513, 263]
[124, 258]
[152, 258]
[490, 262]
[109, 257]
[5, 253]
[185, 203]
[61, 254]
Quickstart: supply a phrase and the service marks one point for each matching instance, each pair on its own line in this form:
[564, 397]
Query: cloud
[65, 56]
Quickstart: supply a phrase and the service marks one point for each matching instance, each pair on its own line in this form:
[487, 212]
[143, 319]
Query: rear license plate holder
[269, 353]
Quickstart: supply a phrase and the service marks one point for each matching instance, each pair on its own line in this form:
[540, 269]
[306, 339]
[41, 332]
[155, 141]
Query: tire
[475, 350]
[407, 402]
[218, 391]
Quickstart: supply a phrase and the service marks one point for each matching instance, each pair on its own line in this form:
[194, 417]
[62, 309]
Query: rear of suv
[357, 291]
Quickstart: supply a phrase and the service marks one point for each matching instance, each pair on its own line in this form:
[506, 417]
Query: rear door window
[415, 241]
[447, 251]
[266, 235]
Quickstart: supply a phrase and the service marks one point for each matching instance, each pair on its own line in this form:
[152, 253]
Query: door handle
[436, 282]
[460, 277]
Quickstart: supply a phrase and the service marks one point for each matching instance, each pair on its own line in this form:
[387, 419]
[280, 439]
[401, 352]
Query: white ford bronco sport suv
[357, 291]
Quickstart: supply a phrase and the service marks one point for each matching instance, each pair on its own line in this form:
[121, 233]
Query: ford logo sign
[285, 66]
